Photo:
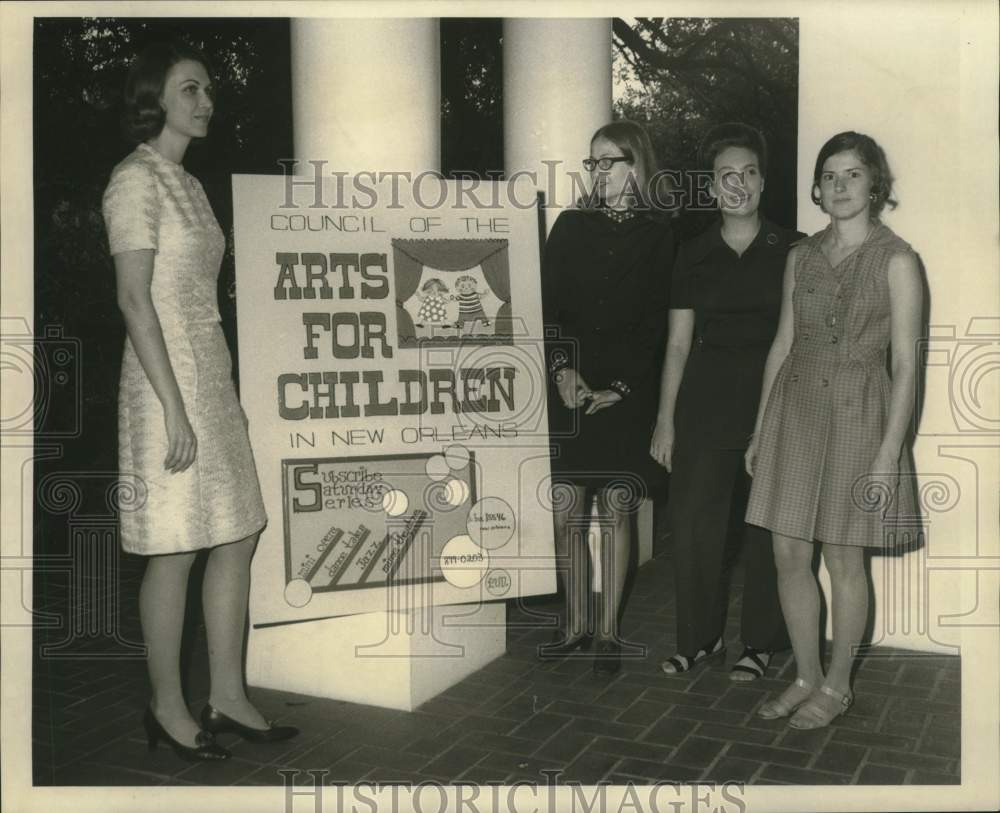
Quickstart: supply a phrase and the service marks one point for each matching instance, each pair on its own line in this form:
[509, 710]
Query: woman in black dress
[723, 315]
[606, 274]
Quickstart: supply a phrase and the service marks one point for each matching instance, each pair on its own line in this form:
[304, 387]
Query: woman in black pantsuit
[606, 280]
[724, 313]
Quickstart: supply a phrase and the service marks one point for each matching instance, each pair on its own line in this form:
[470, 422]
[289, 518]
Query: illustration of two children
[433, 296]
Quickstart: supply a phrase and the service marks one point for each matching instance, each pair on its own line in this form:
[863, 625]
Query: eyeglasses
[590, 164]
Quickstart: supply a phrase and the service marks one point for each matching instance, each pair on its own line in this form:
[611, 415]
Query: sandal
[818, 713]
[752, 662]
[678, 664]
[773, 709]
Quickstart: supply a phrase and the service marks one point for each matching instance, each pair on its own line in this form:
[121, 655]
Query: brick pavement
[515, 719]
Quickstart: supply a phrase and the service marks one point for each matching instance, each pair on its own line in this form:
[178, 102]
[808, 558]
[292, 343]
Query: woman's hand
[572, 388]
[182, 445]
[661, 447]
[750, 458]
[601, 399]
[884, 474]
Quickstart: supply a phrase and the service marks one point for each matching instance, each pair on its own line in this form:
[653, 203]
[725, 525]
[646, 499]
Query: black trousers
[705, 486]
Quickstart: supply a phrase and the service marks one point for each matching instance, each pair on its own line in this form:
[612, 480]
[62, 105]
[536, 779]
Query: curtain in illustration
[450, 256]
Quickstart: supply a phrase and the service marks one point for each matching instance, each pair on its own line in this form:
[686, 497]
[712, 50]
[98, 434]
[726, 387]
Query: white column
[366, 94]
[556, 93]
[366, 98]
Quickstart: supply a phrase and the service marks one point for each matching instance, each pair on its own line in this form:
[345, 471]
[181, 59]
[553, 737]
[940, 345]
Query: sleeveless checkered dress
[829, 404]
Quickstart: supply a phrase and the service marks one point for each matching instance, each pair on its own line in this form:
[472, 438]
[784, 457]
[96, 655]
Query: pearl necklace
[618, 216]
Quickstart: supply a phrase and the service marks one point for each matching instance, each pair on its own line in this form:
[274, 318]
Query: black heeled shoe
[218, 723]
[607, 658]
[561, 645]
[205, 751]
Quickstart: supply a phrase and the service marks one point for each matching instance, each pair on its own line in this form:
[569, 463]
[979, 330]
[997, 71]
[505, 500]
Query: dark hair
[634, 142]
[733, 134]
[143, 118]
[871, 155]
[433, 281]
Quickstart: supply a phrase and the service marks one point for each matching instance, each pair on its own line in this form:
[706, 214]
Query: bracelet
[620, 387]
[559, 361]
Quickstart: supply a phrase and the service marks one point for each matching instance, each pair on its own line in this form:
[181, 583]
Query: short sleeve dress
[606, 287]
[152, 203]
[829, 404]
[736, 301]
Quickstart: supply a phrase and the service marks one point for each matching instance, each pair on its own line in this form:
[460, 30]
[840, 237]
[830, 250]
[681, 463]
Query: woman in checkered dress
[828, 457]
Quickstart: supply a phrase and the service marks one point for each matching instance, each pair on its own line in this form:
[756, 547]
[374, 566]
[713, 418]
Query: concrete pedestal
[396, 660]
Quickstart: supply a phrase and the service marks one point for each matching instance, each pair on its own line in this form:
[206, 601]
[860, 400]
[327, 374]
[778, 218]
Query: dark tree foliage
[677, 76]
[471, 96]
[80, 67]
[681, 76]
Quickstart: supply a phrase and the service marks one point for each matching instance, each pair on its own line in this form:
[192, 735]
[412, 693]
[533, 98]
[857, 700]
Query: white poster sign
[392, 374]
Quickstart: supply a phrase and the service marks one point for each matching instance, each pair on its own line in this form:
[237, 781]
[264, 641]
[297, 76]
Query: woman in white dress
[182, 433]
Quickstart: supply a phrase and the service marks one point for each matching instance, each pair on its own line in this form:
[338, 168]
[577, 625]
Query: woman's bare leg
[225, 594]
[849, 608]
[800, 604]
[162, 598]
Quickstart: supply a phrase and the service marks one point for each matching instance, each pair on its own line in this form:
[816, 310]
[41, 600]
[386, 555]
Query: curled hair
[871, 155]
[143, 117]
[733, 134]
[654, 188]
